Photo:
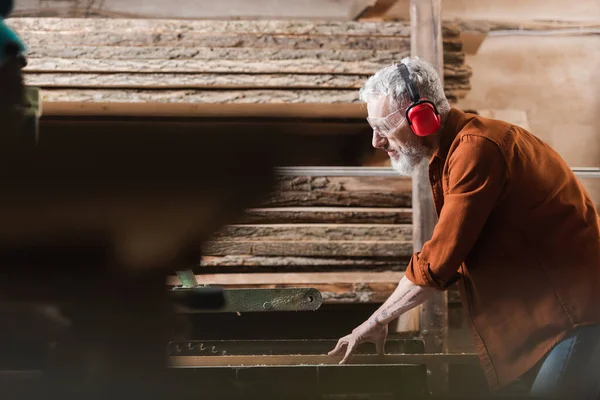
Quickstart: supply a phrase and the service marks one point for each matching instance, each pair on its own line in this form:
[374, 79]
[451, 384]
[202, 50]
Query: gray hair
[387, 81]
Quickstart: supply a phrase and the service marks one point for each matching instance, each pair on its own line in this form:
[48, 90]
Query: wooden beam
[341, 215]
[165, 27]
[315, 248]
[342, 264]
[220, 62]
[425, 18]
[335, 287]
[341, 191]
[292, 279]
[194, 81]
[377, 12]
[351, 111]
[486, 26]
[312, 359]
[254, 96]
[257, 96]
[311, 66]
[310, 232]
[190, 80]
[247, 53]
[191, 43]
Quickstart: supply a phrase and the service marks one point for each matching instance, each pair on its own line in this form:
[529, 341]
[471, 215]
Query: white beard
[407, 161]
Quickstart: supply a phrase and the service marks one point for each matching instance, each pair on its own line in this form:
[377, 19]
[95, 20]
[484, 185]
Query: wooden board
[377, 10]
[315, 359]
[197, 44]
[323, 215]
[309, 66]
[394, 192]
[201, 96]
[308, 263]
[486, 26]
[316, 248]
[292, 279]
[315, 232]
[214, 27]
[124, 80]
[251, 96]
[335, 287]
[247, 112]
[218, 62]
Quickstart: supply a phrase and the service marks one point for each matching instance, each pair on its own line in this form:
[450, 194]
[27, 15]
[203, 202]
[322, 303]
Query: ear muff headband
[413, 92]
[422, 115]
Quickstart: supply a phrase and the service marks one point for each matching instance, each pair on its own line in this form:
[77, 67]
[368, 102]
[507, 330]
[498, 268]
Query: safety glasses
[388, 124]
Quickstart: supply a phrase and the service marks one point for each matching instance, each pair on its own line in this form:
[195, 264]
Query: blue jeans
[571, 370]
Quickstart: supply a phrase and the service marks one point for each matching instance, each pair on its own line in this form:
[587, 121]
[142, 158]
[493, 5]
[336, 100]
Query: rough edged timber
[308, 263]
[213, 27]
[317, 248]
[347, 236]
[335, 191]
[315, 359]
[335, 287]
[323, 215]
[329, 232]
[133, 60]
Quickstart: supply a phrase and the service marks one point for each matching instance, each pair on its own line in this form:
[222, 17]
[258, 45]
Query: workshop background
[327, 225]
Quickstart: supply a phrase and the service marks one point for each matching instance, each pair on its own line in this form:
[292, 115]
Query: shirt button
[433, 178]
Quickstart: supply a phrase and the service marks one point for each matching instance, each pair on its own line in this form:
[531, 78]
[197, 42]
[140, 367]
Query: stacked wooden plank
[183, 61]
[349, 237]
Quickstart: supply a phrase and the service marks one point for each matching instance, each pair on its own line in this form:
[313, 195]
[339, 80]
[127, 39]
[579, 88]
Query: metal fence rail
[581, 172]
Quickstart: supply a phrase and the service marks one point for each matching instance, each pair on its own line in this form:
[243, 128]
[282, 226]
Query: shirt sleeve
[477, 174]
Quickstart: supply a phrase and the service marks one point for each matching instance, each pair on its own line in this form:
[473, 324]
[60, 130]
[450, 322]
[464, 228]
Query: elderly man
[517, 232]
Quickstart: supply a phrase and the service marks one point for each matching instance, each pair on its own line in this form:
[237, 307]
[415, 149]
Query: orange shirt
[518, 233]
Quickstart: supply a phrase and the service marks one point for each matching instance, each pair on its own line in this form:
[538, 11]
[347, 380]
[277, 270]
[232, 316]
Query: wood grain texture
[213, 27]
[191, 80]
[340, 215]
[213, 62]
[176, 66]
[334, 264]
[313, 232]
[341, 191]
[242, 54]
[258, 96]
[291, 279]
[109, 80]
[290, 360]
[335, 287]
[485, 26]
[189, 43]
[316, 248]
[208, 96]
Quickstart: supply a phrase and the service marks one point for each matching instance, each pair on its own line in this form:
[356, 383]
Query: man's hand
[406, 296]
[369, 331]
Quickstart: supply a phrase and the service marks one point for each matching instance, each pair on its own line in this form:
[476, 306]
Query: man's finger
[349, 350]
[339, 347]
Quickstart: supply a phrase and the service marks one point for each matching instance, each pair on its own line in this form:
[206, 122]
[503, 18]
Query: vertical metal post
[426, 43]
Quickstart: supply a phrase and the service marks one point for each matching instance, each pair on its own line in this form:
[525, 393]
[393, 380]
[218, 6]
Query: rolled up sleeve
[477, 174]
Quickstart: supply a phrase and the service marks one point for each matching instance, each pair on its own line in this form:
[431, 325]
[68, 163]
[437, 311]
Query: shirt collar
[455, 120]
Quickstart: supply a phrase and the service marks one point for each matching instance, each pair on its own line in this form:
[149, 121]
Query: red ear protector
[422, 115]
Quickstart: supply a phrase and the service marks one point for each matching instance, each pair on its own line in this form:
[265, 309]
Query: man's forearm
[406, 296]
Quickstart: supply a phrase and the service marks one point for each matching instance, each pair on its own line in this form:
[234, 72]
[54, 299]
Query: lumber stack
[349, 237]
[183, 61]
